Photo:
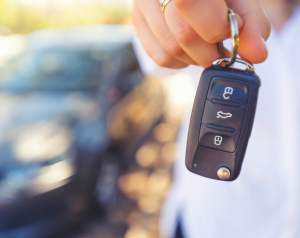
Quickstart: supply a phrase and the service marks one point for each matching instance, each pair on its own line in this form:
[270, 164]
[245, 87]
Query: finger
[152, 46]
[208, 18]
[157, 23]
[256, 30]
[202, 52]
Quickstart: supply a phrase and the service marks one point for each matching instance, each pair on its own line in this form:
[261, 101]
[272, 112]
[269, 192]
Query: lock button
[218, 139]
[229, 90]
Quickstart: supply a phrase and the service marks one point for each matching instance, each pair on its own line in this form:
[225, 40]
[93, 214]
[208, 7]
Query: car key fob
[221, 120]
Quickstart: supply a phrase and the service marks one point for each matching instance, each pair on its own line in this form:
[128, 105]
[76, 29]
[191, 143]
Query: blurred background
[87, 142]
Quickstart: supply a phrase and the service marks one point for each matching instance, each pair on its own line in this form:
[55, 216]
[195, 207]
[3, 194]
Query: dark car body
[57, 102]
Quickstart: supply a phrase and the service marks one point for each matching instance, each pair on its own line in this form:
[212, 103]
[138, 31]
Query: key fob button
[226, 116]
[229, 90]
[216, 139]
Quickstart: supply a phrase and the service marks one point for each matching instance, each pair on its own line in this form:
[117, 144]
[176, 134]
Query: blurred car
[66, 106]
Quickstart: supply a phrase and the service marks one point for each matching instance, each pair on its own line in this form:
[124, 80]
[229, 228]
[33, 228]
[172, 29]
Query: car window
[54, 69]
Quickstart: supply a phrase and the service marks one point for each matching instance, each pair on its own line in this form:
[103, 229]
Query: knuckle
[184, 4]
[216, 33]
[163, 59]
[185, 34]
[172, 47]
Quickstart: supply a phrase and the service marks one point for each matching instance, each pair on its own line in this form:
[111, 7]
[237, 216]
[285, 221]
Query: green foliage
[24, 19]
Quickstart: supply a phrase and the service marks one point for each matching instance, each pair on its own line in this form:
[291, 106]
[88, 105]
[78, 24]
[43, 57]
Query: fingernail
[267, 50]
[263, 40]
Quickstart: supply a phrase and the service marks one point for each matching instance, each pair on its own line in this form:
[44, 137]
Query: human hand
[187, 31]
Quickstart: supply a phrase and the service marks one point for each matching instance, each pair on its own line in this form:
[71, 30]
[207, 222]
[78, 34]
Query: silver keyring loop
[235, 37]
[226, 60]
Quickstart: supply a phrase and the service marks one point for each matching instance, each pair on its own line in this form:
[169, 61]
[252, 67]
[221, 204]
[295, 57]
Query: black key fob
[222, 115]
[221, 122]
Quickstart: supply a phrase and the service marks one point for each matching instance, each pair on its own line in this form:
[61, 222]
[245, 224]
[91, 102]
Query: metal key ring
[248, 65]
[235, 45]
[235, 37]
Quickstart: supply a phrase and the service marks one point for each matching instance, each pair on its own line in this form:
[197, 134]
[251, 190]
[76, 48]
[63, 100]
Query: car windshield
[54, 68]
